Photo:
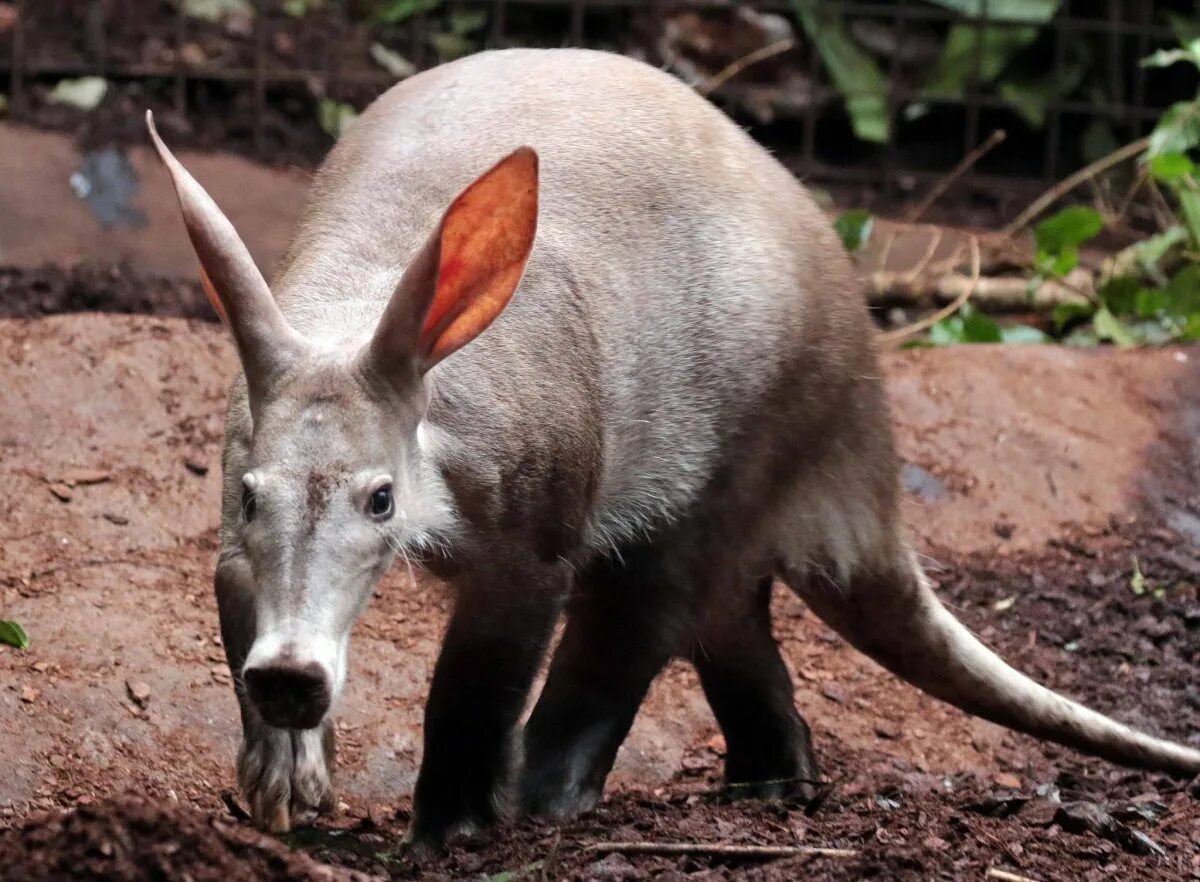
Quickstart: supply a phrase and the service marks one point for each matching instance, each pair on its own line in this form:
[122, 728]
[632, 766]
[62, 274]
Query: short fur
[681, 402]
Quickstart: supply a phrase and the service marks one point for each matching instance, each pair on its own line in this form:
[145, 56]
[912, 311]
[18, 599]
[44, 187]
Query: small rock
[61, 492]
[1008, 781]
[935, 843]
[139, 692]
[196, 467]
[1003, 530]
[41, 667]
[29, 695]
[887, 729]
[113, 518]
[834, 692]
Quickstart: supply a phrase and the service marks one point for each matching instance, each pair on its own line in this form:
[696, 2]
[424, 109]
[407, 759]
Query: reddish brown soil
[134, 839]
[1059, 467]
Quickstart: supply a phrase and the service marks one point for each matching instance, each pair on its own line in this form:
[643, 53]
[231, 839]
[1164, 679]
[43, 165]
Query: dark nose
[289, 696]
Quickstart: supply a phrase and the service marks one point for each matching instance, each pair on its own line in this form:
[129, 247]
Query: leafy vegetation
[854, 228]
[13, 634]
[1147, 293]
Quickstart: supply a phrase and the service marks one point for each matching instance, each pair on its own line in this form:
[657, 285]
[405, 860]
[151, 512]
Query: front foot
[454, 805]
[287, 775]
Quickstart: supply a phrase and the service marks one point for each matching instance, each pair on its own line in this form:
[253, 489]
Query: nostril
[289, 696]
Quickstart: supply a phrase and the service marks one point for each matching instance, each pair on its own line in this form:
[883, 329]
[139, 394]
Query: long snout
[291, 683]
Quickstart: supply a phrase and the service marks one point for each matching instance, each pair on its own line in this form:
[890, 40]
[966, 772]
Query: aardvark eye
[381, 504]
[249, 506]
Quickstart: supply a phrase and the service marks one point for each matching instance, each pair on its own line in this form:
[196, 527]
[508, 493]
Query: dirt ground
[1038, 476]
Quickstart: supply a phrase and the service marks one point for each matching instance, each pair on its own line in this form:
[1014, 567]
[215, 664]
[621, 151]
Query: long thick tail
[899, 622]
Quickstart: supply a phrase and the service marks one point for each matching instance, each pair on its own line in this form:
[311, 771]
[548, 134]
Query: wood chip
[1008, 781]
[887, 729]
[138, 691]
[62, 492]
[834, 692]
[85, 477]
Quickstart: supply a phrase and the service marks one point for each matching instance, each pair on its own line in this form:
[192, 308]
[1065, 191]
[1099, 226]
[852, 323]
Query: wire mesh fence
[773, 64]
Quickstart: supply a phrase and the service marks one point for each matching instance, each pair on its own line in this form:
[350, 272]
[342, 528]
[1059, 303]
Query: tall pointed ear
[467, 272]
[240, 295]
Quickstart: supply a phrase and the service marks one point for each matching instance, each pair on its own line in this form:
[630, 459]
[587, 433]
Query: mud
[1060, 469]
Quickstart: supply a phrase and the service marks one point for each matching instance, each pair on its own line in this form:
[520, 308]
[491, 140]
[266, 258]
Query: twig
[732, 70]
[1066, 185]
[1005, 876]
[716, 849]
[930, 249]
[954, 174]
[946, 311]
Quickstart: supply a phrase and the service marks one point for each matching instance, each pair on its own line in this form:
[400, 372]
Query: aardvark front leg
[494, 645]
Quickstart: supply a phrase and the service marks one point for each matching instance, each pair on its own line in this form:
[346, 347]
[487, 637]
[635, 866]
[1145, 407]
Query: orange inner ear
[486, 238]
[212, 295]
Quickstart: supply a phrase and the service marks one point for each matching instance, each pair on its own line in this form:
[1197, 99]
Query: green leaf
[1151, 303]
[84, 93]
[1031, 95]
[1109, 327]
[854, 227]
[1170, 167]
[1067, 314]
[396, 12]
[1183, 294]
[1190, 53]
[1022, 335]
[1178, 130]
[1071, 226]
[1120, 295]
[979, 328]
[13, 634]
[947, 332]
[335, 117]
[1059, 237]
[854, 73]
[216, 10]
[1191, 330]
[1036, 11]
[1150, 252]
[968, 50]
[1189, 202]
[301, 8]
